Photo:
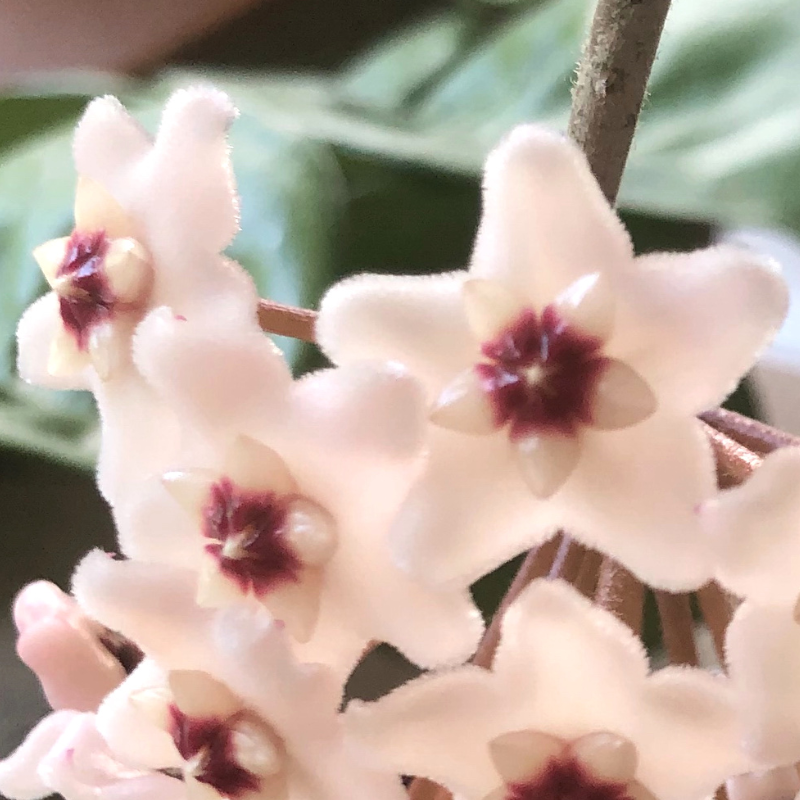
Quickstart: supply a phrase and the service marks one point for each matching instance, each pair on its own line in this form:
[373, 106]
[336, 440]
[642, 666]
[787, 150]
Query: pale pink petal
[189, 210]
[572, 667]
[19, 776]
[762, 649]
[132, 597]
[260, 668]
[140, 434]
[152, 526]
[300, 701]
[81, 767]
[192, 166]
[35, 333]
[470, 511]
[109, 147]
[754, 531]
[418, 321]
[635, 495]
[693, 323]
[545, 221]
[60, 644]
[133, 737]
[351, 427]
[438, 727]
[220, 374]
[690, 732]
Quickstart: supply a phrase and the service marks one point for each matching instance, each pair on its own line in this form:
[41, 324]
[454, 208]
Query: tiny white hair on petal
[417, 320]
[109, 147]
[545, 220]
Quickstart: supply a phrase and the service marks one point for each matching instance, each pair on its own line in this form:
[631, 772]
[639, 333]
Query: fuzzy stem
[611, 81]
[717, 607]
[677, 627]
[621, 593]
[754, 435]
[298, 323]
[735, 462]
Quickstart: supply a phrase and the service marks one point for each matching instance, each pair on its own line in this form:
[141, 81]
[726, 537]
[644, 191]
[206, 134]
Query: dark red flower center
[247, 533]
[207, 743]
[566, 779]
[541, 374]
[90, 299]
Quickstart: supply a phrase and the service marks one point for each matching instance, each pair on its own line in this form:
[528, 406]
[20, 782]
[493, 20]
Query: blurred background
[364, 125]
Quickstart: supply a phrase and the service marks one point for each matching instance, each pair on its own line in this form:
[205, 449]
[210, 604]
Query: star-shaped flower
[753, 530]
[569, 710]
[151, 220]
[762, 649]
[66, 754]
[291, 509]
[64, 648]
[232, 709]
[564, 374]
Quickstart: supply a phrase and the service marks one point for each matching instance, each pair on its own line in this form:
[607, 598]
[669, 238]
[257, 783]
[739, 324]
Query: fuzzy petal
[762, 649]
[471, 485]
[140, 434]
[300, 702]
[754, 531]
[19, 776]
[193, 167]
[225, 375]
[545, 221]
[693, 323]
[418, 321]
[436, 727]
[35, 333]
[81, 767]
[131, 597]
[153, 527]
[549, 635]
[351, 427]
[635, 495]
[109, 147]
[689, 718]
[133, 737]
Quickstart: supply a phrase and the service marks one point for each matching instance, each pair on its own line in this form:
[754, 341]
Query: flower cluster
[272, 530]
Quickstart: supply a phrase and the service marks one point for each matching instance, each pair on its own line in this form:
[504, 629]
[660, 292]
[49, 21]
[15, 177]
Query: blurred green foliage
[378, 167]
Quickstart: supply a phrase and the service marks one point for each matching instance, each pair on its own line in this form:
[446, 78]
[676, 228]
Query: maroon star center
[211, 738]
[258, 522]
[566, 779]
[541, 375]
[91, 300]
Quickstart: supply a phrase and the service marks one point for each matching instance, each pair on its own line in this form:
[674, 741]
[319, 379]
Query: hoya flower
[753, 530]
[762, 648]
[151, 220]
[564, 374]
[65, 754]
[232, 710]
[64, 648]
[569, 710]
[291, 509]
